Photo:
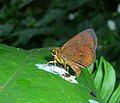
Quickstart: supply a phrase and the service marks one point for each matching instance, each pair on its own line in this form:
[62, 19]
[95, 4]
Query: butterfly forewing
[81, 48]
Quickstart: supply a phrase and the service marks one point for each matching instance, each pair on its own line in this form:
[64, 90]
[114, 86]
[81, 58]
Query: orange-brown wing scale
[80, 50]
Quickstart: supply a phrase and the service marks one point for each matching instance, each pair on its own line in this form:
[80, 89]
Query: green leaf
[27, 34]
[99, 76]
[21, 81]
[108, 81]
[91, 68]
[20, 3]
[104, 79]
[5, 29]
[115, 96]
[54, 14]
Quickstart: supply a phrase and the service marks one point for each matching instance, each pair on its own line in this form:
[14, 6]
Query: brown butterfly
[78, 52]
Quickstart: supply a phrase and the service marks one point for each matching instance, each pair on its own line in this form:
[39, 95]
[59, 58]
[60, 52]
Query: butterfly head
[55, 51]
[57, 56]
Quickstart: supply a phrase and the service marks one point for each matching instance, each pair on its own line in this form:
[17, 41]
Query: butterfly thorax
[57, 56]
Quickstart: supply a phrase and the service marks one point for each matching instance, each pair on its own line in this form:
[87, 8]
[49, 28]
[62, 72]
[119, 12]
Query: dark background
[42, 23]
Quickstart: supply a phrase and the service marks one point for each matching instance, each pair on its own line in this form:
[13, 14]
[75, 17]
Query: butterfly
[78, 52]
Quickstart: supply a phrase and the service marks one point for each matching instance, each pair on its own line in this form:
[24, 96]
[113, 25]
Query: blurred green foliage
[42, 23]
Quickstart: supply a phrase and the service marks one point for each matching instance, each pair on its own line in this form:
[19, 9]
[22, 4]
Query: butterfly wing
[81, 48]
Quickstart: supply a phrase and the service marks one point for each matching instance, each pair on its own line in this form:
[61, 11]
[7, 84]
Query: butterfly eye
[53, 52]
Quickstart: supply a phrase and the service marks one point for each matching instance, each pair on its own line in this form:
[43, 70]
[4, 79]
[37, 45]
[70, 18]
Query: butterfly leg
[52, 62]
[66, 67]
